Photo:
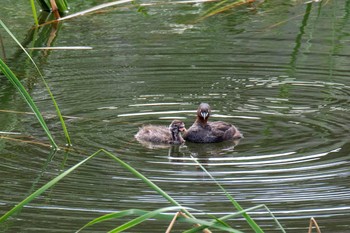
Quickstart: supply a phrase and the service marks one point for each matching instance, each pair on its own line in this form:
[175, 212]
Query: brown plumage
[162, 134]
[203, 131]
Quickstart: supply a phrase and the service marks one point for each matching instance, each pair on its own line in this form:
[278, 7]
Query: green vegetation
[217, 223]
[57, 7]
[142, 215]
[15, 81]
[21, 89]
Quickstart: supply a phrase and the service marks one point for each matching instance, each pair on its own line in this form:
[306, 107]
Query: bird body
[162, 134]
[203, 131]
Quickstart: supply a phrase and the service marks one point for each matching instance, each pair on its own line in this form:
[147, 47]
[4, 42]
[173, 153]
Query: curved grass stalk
[142, 215]
[217, 223]
[61, 176]
[64, 127]
[237, 214]
[244, 213]
[43, 189]
[159, 214]
[21, 89]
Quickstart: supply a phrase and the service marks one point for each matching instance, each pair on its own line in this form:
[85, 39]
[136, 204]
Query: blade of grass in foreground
[238, 207]
[238, 214]
[250, 221]
[146, 181]
[55, 180]
[158, 214]
[35, 16]
[64, 127]
[15, 82]
[62, 5]
[44, 188]
[146, 215]
[155, 213]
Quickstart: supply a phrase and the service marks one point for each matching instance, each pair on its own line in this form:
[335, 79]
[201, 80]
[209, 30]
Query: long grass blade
[250, 221]
[44, 6]
[62, 6]
[238, 214]
[158, 214]
[35, 16]
[143, 218]
[21, 89]
[44, 188]
[143, 215]
[146, 181]
[64, 127]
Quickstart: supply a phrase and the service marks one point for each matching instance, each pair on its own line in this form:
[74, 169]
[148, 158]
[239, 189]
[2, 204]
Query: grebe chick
[162, 134]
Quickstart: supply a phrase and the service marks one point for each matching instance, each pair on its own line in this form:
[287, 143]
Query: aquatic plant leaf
[35, 16]
[250, 221]
[64, 127]
[21, 89]
[158, 214]
[44, 6]
[44, 188]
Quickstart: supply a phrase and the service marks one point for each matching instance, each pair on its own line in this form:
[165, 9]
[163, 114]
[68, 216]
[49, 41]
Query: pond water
[279, 72]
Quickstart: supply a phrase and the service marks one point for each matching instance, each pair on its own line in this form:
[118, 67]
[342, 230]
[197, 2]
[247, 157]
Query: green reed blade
[155, 213]
[44, 6]
[158, 214]
[64, 127]
[250, 221]
[43, 189]
[35, 16]
[21, 89]
[145, 180]
[62, 6]
[143, 218]
[238, 214]
[143, 215]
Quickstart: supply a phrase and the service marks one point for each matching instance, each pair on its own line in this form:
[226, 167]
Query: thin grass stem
[44, 188]
[250, 221]
[35, 16]
[64, 127]
[21, 89]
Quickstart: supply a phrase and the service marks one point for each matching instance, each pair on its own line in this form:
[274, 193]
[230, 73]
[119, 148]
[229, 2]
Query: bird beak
[182, 129]
[204, 115]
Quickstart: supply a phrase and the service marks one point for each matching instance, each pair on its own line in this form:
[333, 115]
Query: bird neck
[202, 121]
[176, 137]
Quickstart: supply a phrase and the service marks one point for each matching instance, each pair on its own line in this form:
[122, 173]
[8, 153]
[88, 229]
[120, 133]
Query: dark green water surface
[279, 72]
